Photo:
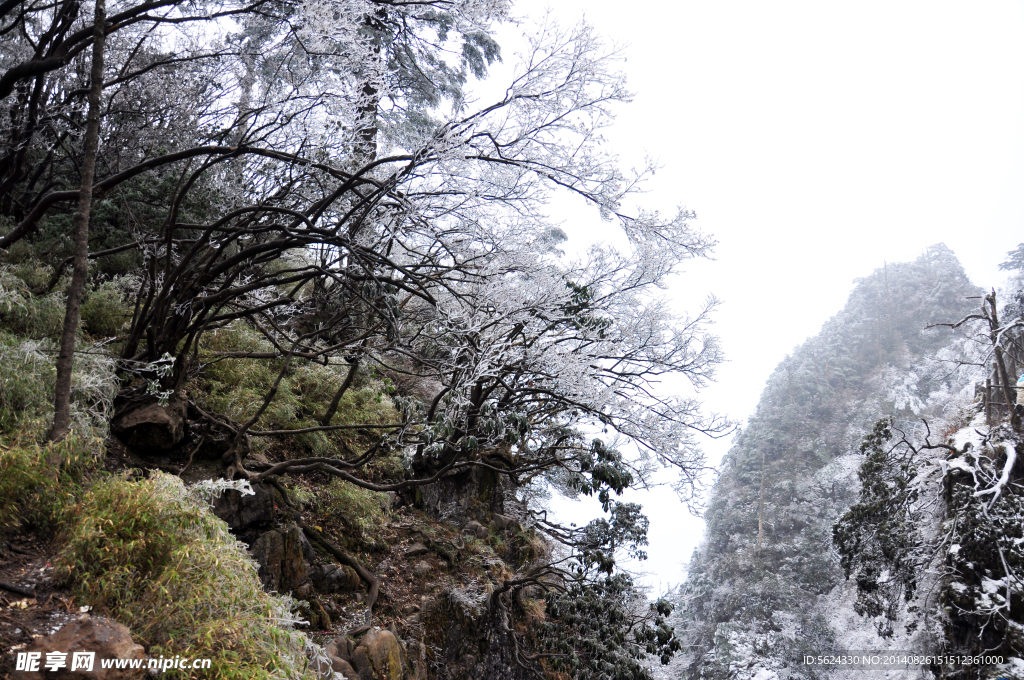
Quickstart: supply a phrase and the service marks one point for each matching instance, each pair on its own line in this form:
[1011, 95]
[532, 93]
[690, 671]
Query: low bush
[27, 375]
[27, 315]
[360, 510]
[151, 555]
[37, 482]
[236, 388]
[105, 310]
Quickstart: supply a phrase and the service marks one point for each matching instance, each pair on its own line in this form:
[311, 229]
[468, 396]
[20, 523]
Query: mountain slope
[766, 585]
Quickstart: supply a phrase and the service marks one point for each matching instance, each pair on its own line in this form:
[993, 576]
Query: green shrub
[24, 314]
[151, 555]
[27, 375]
[237, 387]
[29, 325]
[361, 510]
[26, 383]
[105, 310]
[32, 492]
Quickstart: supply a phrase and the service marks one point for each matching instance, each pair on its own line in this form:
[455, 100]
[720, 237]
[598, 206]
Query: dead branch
[17, 589]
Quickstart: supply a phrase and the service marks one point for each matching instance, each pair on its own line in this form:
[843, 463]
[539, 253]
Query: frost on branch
[888, 542]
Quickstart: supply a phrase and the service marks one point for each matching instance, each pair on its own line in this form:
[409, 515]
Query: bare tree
[65, 360]
[996, 337]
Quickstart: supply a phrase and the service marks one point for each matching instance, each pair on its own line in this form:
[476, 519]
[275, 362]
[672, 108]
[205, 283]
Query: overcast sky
[815, 140]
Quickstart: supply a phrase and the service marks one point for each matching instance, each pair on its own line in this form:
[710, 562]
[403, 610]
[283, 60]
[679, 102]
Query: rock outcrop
[246, 513]
[475, 529]
[153, 426]
[104, 638]
[378, 655]
[467, 640]
[284, 556]
[334, 578]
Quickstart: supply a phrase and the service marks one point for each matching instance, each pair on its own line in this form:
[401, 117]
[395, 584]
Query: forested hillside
[289, 350]
[292, 356]
[842, 514]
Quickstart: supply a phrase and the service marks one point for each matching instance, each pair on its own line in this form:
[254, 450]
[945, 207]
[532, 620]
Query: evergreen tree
[758, 588]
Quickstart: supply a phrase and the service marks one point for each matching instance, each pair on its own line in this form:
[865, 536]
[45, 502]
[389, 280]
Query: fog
[815, 141]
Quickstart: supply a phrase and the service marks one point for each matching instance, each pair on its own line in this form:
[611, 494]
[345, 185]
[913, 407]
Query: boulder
[106, 639]
[332, 608]
[243, 512]
[334, 578]
[340, 647]
[284, 556]
[416, 659]
[313, 612]
[503, 522]
[416, 549]
[379, 656]
[422, 568]
[474, 528]
[153, 426]
[345, 668]
[360, 663]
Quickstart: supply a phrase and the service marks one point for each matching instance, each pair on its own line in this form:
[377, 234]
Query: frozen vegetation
[291, 353]
[869, 506]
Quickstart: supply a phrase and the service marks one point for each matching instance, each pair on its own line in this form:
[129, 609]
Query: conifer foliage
[878, 536]
[766, 585]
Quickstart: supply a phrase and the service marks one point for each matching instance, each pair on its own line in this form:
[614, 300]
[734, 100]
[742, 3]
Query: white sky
[815, 140]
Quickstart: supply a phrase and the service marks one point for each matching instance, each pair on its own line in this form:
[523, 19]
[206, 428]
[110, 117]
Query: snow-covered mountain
[768, 584]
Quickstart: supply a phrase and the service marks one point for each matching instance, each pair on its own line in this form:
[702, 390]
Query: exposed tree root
[371, 581]
[17, 589]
